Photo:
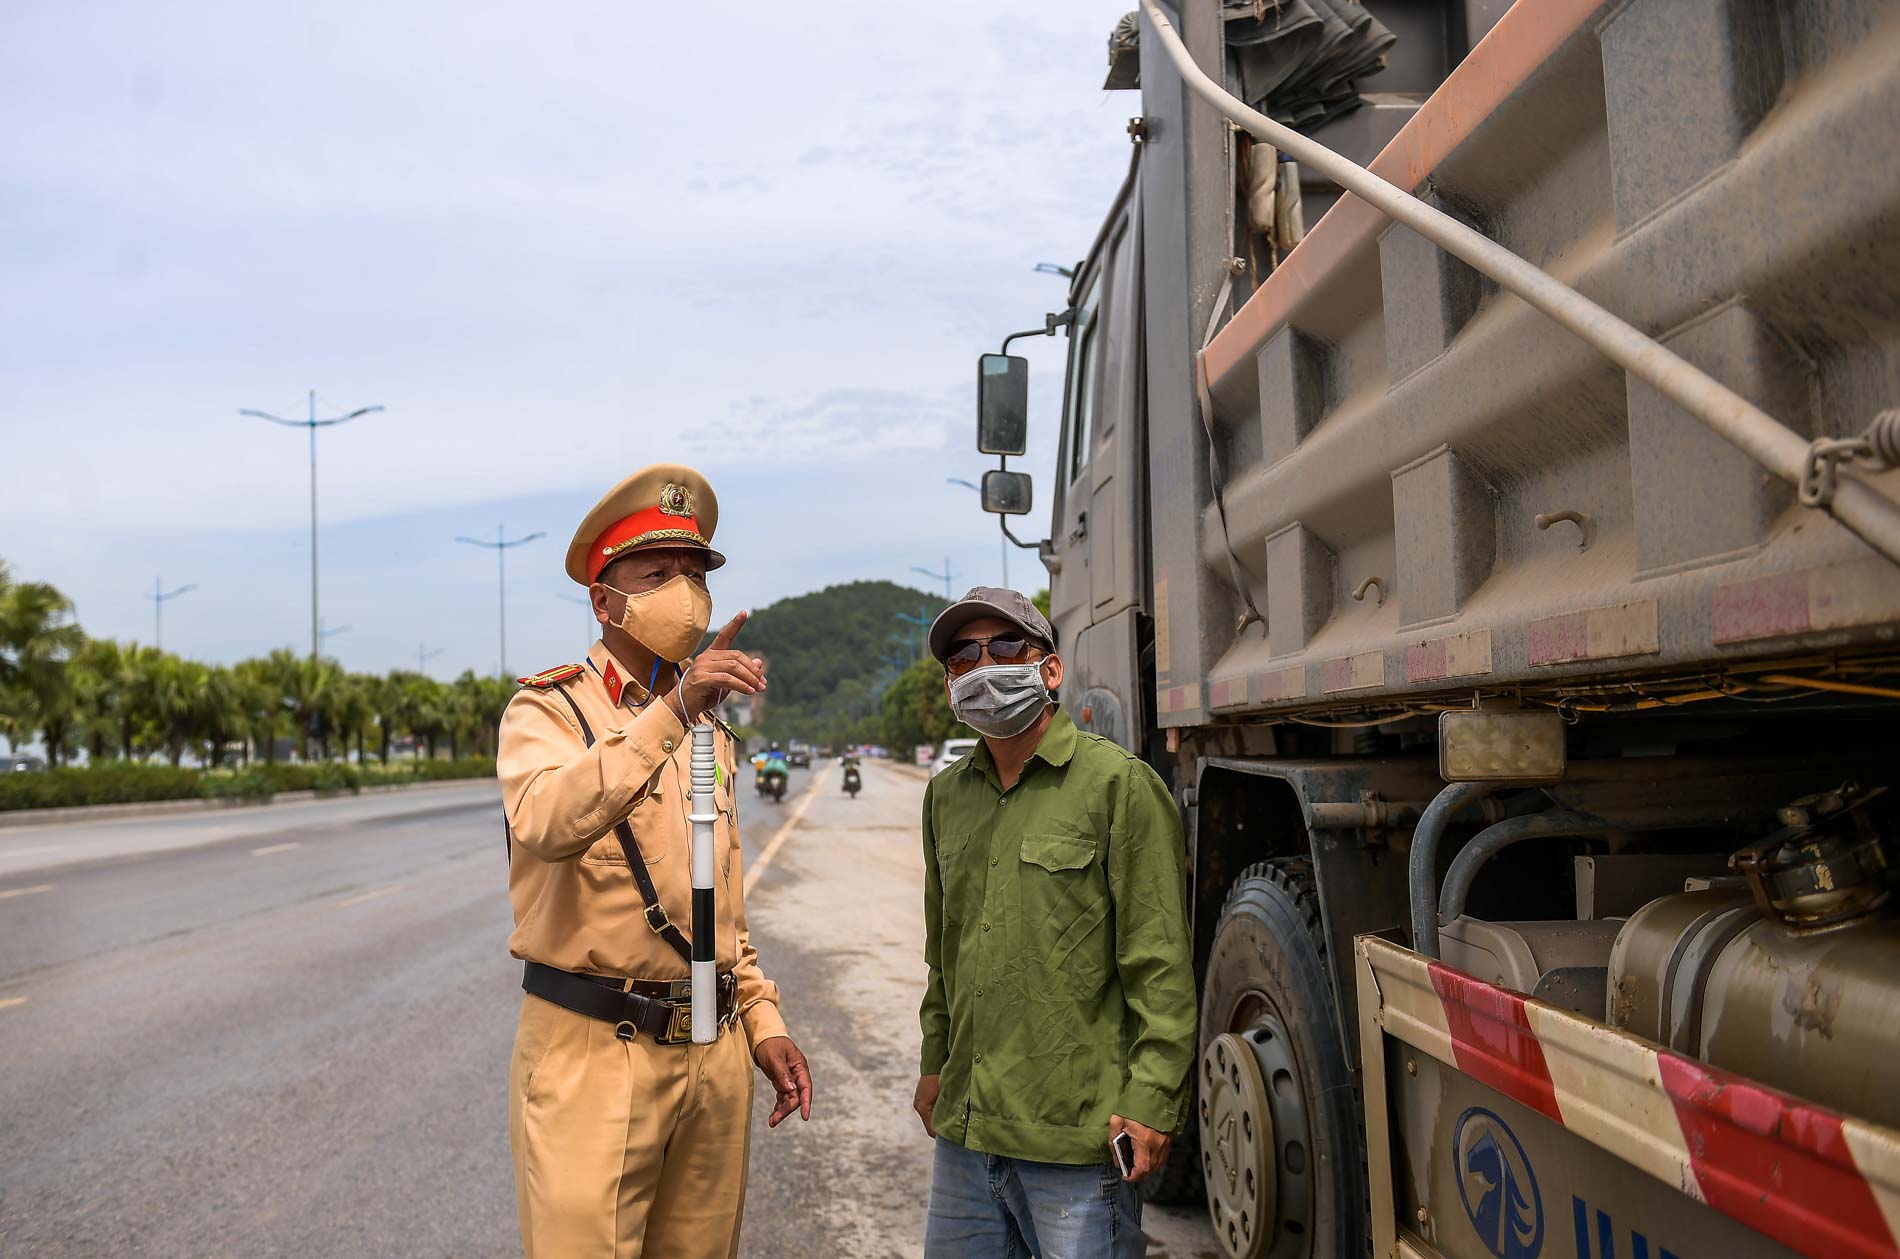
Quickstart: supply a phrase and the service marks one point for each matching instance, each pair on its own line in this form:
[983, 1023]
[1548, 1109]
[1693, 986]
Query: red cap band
[650, 524]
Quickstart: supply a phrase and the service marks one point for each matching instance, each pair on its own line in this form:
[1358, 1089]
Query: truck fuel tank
[1772, 978]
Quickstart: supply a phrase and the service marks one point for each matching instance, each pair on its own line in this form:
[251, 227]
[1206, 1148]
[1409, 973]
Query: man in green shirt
[1060, 1007]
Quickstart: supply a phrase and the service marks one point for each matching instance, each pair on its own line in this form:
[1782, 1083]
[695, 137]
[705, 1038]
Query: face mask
[668, 620]
[999, 700]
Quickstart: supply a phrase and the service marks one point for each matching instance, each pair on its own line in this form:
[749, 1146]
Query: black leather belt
[662, 1010]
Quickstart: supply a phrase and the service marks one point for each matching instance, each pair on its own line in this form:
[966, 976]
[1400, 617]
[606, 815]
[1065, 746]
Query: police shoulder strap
[643, 879]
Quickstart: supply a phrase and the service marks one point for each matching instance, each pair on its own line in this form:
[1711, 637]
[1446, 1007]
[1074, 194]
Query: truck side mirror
[1002, 406]
[1007, 493]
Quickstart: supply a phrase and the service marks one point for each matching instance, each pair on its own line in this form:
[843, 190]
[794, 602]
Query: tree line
[75, 693]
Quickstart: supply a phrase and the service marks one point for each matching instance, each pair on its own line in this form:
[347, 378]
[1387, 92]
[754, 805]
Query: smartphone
[1124, 1147]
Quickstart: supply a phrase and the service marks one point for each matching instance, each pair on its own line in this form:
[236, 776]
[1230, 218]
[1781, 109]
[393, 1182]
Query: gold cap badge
[676, 500]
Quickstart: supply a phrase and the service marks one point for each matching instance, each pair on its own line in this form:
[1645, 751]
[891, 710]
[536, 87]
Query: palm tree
[37, 639]
[304, 687]
[220, 714]
[262, 703]
[170, 689]
[479, 704]
[98, 676]
[351, 710]
[142, 705]
[424, 709]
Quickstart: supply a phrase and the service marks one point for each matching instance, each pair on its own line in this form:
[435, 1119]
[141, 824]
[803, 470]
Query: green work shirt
[1061, 989]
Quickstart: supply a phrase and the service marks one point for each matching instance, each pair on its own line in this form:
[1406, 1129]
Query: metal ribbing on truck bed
[1869, 514]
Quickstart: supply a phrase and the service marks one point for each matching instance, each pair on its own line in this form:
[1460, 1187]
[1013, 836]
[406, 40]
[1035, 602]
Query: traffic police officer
[628, 1139]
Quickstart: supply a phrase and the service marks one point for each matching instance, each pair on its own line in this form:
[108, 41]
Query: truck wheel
[1282, 1145]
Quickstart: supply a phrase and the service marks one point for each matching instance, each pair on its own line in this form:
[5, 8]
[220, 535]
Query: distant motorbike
[771, 782]
[853, 782]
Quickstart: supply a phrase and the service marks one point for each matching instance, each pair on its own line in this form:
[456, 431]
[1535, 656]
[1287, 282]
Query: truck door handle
[1081, 529]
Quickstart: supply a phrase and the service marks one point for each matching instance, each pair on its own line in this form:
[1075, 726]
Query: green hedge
[116, 782]
[121, 782]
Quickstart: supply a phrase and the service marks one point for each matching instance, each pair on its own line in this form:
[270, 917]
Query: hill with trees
[832, 654]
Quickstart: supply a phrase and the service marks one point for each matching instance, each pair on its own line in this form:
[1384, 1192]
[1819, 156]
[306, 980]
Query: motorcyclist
[774, 772]
[853, 780]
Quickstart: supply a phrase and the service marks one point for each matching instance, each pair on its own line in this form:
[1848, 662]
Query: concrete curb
[156, 808]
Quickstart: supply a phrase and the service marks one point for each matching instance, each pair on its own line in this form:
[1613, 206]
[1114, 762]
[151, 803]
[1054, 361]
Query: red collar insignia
[611, 677]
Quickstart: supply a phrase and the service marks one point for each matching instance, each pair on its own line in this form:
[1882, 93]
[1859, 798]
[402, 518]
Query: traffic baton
[705, 812]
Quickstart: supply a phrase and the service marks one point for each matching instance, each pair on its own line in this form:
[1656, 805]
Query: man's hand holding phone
[1138, 1148]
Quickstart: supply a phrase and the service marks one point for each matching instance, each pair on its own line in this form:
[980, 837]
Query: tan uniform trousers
[626, 1148]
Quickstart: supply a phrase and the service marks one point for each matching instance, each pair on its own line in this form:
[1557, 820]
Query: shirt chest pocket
[652, 828]
[1061, 923]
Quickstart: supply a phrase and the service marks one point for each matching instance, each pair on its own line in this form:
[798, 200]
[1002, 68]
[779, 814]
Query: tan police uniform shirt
[576, 905]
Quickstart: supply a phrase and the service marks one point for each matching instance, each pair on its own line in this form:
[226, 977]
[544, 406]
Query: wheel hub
[1253, 1143]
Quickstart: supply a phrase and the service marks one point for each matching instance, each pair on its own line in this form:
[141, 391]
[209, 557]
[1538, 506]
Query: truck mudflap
[1498, 1125]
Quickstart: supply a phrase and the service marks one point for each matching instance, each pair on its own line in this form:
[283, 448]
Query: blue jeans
[985, 1206]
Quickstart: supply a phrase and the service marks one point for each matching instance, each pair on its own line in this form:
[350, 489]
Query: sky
[556, 243]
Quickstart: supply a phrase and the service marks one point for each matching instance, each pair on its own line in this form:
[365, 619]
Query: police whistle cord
[705, 774]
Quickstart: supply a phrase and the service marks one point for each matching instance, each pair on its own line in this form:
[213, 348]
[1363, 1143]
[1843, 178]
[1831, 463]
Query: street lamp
[424, 655]
[501, 546]
[919, 622]
[1050, 268]
[946, 576]
[313, 424]
[972, 485]
[160, 597]
[325, 633]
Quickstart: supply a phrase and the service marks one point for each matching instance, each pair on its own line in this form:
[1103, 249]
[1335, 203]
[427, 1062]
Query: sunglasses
[966, 653]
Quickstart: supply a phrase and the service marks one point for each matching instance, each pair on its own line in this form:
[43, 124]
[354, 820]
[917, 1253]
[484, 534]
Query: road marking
[7, 1003]
[370, 895]
[268, 849]
[778, 840]
[12, 892]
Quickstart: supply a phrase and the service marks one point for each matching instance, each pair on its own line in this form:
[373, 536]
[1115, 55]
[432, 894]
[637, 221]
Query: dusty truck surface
[1497, 553]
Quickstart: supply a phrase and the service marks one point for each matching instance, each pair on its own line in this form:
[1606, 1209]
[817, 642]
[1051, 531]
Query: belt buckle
[626, 1030]
[657, 920]
[679, 1025]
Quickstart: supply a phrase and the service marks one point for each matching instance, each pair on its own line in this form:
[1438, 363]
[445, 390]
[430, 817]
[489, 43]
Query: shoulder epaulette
[548, 677]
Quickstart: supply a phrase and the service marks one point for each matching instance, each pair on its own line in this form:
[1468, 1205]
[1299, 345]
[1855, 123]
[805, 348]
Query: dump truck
[1476, 494]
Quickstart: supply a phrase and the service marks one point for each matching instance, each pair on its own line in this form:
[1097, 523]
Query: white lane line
[37, 888]
[7, 1003]
[778, 840]
[370, 895]
[268, 849]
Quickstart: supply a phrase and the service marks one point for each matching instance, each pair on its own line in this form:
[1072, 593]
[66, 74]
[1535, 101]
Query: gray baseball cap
[1010, 605]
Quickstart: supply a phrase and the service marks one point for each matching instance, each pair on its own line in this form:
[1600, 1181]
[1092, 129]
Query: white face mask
[1000, 700]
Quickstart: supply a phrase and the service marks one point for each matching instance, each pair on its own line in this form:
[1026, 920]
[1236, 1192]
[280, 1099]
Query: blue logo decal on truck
[1497, 1186]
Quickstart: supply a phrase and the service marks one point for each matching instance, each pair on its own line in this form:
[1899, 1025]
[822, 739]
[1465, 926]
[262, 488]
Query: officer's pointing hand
[720, 669]
[785, 1067]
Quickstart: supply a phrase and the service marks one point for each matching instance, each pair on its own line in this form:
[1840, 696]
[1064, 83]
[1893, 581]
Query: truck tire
[1282, 1141]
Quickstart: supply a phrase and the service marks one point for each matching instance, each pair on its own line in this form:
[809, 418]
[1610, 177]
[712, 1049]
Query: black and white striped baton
[705, 813]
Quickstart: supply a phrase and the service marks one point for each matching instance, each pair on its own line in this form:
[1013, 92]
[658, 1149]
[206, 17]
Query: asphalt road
[285, 1030]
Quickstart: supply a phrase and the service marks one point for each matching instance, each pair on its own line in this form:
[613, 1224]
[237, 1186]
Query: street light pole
[313, 424]
[972, 485]
[946, 576]
[501, 546]
[424, 655]
[159, 597]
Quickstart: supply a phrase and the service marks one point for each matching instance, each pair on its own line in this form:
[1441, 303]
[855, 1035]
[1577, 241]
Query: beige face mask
[668, 620]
